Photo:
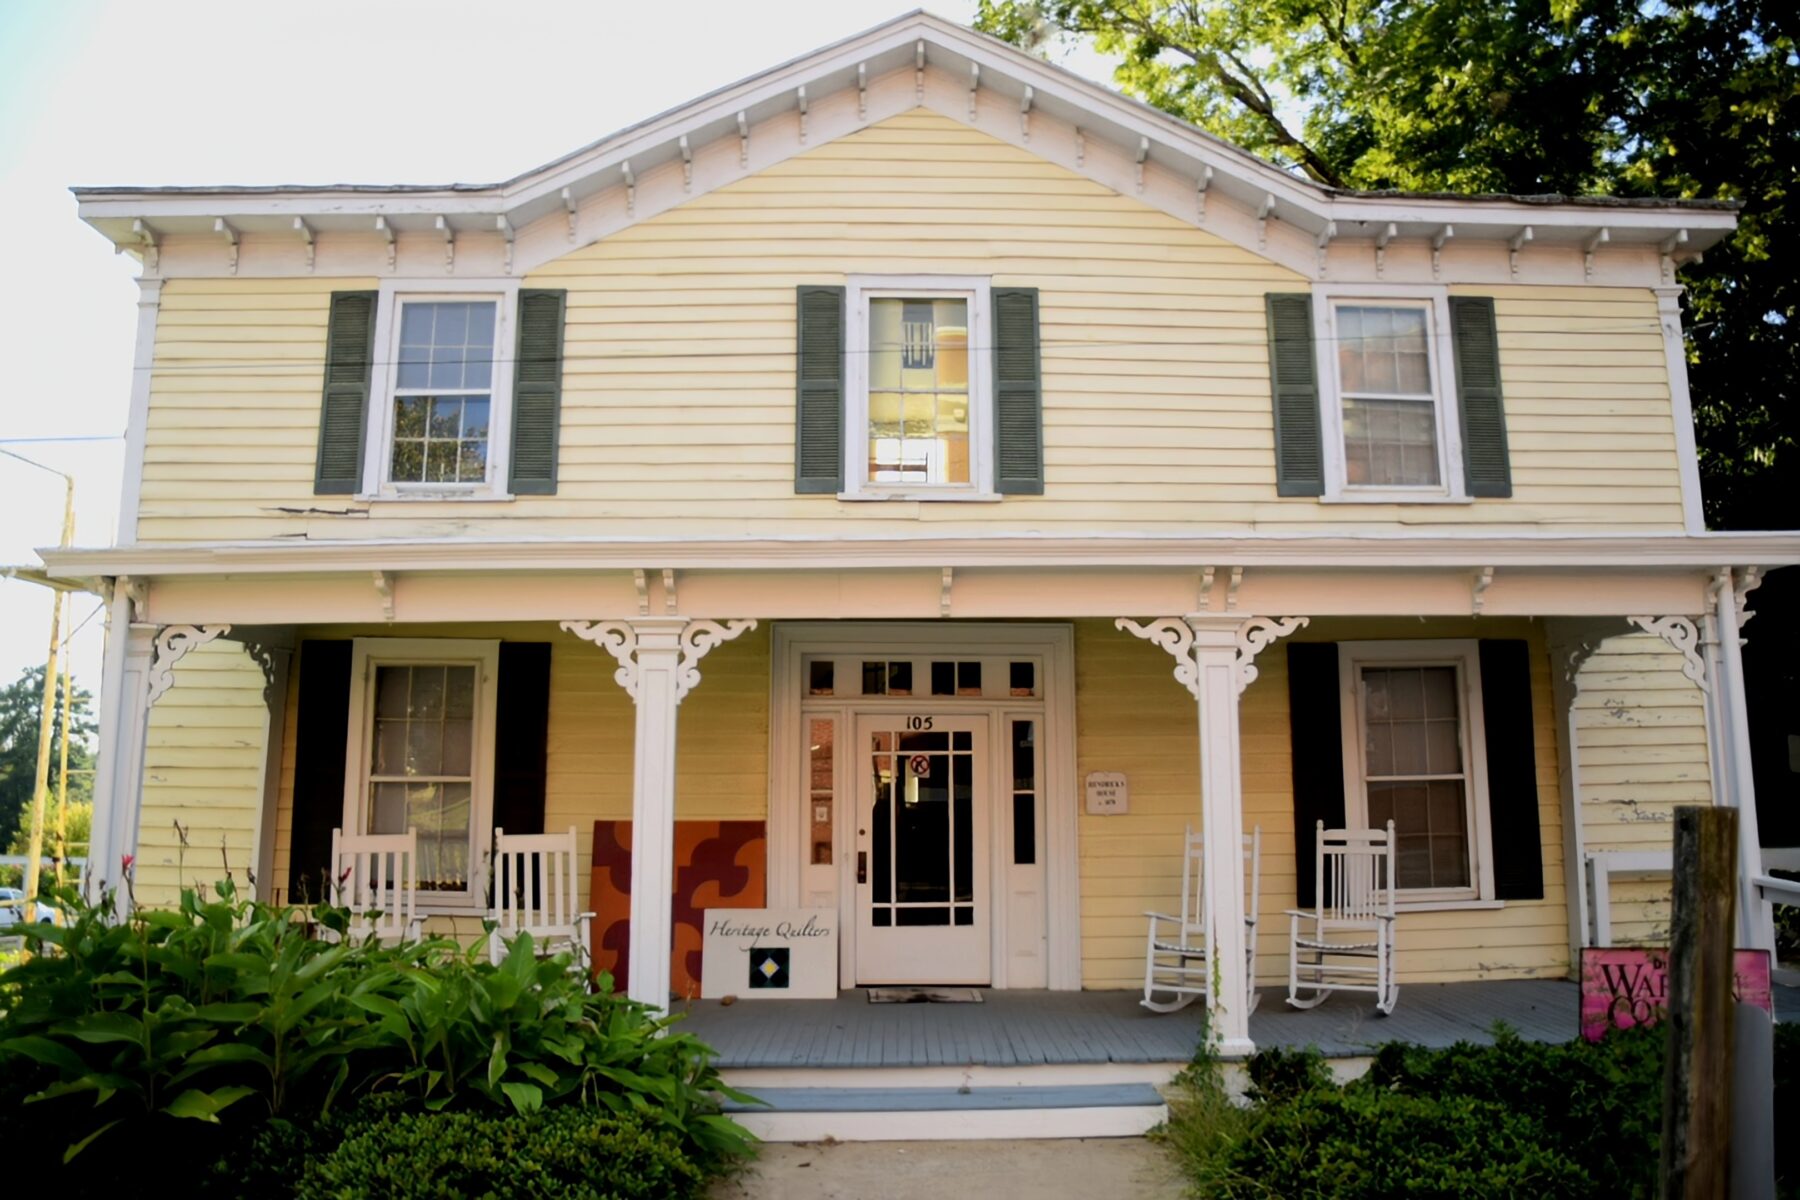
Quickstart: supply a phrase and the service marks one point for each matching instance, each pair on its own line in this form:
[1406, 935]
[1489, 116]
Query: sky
[154, 92]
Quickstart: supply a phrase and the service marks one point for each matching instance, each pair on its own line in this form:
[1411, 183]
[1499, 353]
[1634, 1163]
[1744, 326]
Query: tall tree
[18, 748]
[1681, 98]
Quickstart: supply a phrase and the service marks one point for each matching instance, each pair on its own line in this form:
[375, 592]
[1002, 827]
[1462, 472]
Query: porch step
[806, 1114]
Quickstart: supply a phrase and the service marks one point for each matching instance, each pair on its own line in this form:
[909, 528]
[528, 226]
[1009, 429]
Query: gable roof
[134, 218]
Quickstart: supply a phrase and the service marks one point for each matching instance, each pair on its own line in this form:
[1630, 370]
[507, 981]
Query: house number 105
[918, 722]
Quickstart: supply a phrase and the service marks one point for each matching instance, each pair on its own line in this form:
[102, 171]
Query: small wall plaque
[1107, 793]
[770, 953]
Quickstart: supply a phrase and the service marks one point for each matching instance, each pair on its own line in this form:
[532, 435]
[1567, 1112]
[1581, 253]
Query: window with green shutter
[1388, 397]
[919, 389]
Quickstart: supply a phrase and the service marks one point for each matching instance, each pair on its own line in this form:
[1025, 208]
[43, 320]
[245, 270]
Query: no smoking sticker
[919, 764]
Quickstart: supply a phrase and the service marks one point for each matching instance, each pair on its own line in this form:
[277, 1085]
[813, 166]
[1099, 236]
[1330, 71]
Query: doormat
[924, 995]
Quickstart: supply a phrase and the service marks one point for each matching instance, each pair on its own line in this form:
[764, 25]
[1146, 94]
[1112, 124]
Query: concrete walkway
[1092, 1169]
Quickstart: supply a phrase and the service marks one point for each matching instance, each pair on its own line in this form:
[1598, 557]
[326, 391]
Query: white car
[12, 902]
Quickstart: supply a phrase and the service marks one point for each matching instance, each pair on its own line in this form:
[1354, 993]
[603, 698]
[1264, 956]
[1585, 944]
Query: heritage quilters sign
[1622, 987]
[770, 953]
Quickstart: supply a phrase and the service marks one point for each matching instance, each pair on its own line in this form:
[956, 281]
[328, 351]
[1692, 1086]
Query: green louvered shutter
[1294, 377]
[344, 409]
[1486, 468]
[537, 392]
[819, 391]
[1018, 394]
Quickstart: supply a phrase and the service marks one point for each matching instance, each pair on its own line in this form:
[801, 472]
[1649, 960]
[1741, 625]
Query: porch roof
[1634, 551]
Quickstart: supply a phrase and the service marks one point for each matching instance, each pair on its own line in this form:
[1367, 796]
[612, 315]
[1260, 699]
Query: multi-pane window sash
[421, 764]
[1389, 395]
[1415, 770]
[443, 391]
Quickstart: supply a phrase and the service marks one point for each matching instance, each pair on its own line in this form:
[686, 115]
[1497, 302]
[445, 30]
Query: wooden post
[1696, 1131]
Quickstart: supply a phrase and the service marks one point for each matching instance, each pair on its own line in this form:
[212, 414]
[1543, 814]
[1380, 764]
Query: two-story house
[806, 493]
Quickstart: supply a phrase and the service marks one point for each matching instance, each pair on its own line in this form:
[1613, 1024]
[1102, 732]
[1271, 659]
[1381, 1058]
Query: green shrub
[228, 1014]
[1512, 1119]
[561, 1154]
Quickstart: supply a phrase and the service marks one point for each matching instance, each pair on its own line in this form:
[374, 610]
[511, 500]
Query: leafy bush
[1515, 1118]
[227, 1013]
[560, 1154]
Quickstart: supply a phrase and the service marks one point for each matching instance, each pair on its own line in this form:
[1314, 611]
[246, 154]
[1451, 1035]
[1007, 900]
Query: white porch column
[1214, 659]
[658, 666]
[1730, 726]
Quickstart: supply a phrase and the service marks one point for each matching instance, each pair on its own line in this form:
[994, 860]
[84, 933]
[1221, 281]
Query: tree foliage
[19, 703]
[1674, 98]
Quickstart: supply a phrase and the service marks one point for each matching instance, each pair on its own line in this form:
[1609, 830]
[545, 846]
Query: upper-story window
[1389, 416]
[1388, 395]
[441, 408]
[919, 404]
[443, 391]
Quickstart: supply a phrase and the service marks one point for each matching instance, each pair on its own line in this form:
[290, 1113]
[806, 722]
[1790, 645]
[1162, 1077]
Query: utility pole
[34, 847]
[62, 772]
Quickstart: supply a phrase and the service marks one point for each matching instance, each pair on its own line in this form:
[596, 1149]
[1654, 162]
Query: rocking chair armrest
[1160, 916]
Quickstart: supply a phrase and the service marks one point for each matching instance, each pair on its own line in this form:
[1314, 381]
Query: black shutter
[1018, 394]
[321, 735]
[1317, 732]
[521, 733]
[819, 390]
[1511, 769]
[1294, 380]
[537, 392]
[1486, 469]
[344, 409]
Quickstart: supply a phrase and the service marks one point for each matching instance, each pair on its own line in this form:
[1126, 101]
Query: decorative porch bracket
[1681, 634]
[1215, 661]
[173, 642]
[659, 664]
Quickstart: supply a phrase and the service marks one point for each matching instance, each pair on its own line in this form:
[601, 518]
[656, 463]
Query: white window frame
[859, 290]
[369, 653]
[1463, 654]
[1435, 301]
[378, 447]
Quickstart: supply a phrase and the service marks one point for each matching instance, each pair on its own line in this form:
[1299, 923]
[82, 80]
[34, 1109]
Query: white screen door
[922, 907]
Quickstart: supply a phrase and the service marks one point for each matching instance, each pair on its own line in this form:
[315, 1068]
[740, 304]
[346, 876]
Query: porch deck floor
[1032, 1028]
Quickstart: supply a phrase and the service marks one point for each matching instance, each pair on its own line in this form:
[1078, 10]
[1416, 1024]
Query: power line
[785, 351]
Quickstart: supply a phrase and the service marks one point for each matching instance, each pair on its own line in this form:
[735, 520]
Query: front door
[921, 849]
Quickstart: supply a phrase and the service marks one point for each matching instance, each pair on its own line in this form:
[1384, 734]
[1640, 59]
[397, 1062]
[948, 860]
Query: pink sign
[1625, 987]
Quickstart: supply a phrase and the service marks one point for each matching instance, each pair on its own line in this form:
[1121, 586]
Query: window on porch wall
[1414, 772]
[1413, 724]
[421, 771]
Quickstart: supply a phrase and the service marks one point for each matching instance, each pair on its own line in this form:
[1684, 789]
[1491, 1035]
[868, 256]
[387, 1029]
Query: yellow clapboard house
[919, 485]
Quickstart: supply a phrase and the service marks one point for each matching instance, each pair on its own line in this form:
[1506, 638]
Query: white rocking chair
[1350, 944]
[376, 876]
[1176, 970]
[535, 893]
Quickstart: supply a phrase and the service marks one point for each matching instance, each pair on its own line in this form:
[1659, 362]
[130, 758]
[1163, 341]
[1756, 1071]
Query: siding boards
[1640, 728]
[680, 342]
[203, 766]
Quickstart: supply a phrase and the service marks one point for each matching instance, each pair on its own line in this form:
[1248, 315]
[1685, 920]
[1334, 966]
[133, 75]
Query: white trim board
[1388, 548]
